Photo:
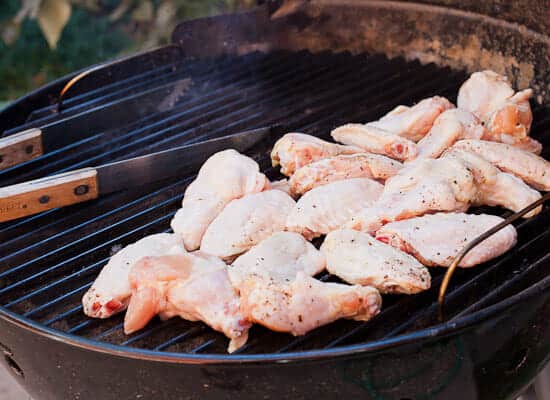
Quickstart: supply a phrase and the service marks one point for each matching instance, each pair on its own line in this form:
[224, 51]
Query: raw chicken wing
[358, 258]
[294, 150]
[283, 185]
[281, 256]
[225, 176]
[497, 188]
[361, 165]
[532, 169]
[305, 303]
[507, 116]
[277, 290]
[413, 122]
[450, 126]
[330, 206]
[195, 287]
[246, 222]
[375, 140]
[111, 290]
[420, 187]
[435, 240]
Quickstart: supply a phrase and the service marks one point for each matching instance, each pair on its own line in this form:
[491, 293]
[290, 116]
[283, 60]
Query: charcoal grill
[309, 66]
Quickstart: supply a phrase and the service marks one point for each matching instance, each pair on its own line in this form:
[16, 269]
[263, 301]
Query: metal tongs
[73, 187]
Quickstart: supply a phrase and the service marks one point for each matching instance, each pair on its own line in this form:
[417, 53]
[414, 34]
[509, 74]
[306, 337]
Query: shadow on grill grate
[48, 261]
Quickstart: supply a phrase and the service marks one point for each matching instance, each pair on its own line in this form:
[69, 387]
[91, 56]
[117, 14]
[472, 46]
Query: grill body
[310, 66]
[492, 356]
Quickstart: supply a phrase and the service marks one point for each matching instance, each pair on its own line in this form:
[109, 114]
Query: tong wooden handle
[43, 194]
[20, 147]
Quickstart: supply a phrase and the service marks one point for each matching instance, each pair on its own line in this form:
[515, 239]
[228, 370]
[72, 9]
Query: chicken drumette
[448, 128]
[413, 122]
[361, 165]
[375, 140]
[294, 150]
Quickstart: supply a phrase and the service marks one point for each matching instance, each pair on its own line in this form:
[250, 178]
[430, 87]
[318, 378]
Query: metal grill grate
[48, 261]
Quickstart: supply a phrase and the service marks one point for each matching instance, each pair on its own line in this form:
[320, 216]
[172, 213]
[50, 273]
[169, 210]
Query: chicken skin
[420, 187]
[413, 122]
[449, 127]
[246, 222]
[225, 176]
[532, 169]
[283, 185]
[375, 140]
[496, 188]
[361, 165]
[330, 206]
[358, 258]
[507, 116]
[281, 256]
[435, 240]
[195, 287]
[277, 290]
[111, 290]
[294, 150]
[304, 303]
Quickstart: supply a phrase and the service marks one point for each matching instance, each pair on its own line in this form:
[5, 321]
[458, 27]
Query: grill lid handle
[44, 194]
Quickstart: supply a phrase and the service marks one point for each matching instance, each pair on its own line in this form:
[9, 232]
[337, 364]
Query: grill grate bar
[305, 92]
[178, 338]
[67, 278]
[76, 328]
[86, 222]
[57, 299]
[146, 332]
[197, 106]
[203, 346]
[62, 315]
[52, 115]
[110, 242]
[491, 297]
[109, 331]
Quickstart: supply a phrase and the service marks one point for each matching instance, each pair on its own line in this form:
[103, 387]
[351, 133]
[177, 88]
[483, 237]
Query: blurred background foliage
[41, 40]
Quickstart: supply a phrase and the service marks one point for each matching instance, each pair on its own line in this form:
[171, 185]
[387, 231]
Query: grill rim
[452, 326]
